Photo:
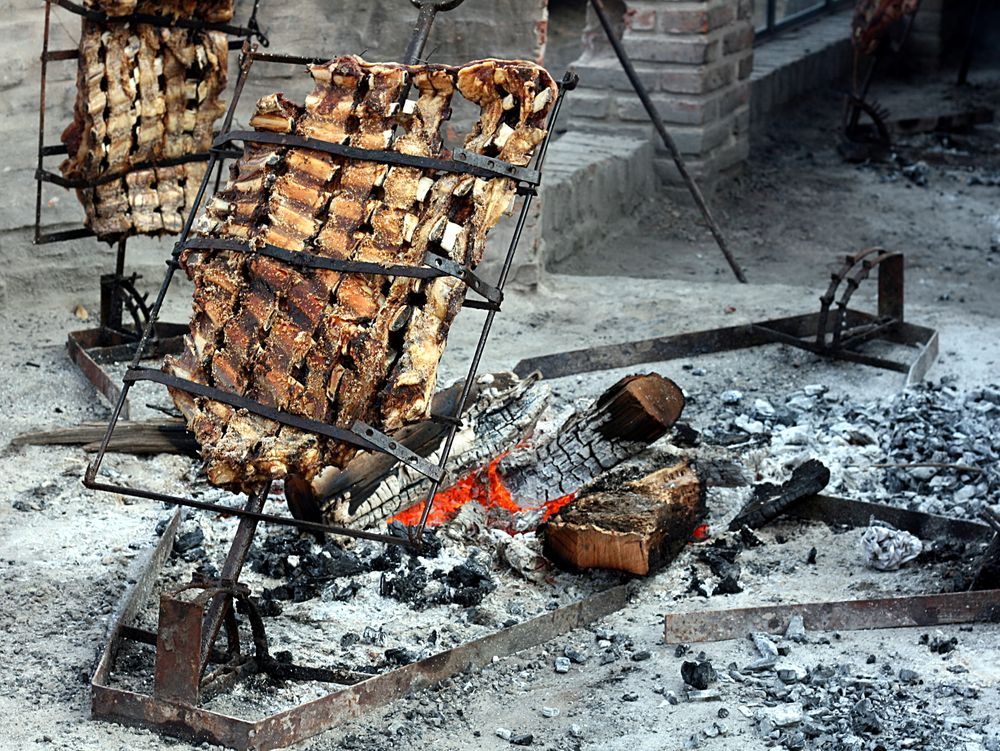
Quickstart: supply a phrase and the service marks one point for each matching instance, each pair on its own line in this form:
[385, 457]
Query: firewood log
[627, 418]
[501, 412]
[637, 528]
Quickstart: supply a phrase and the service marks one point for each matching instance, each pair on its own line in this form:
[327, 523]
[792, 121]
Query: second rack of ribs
[330, 346]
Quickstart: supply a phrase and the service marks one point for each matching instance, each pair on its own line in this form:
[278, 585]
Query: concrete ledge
[797, 61]
[592, 180]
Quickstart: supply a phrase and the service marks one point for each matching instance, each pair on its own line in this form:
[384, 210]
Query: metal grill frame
[359, 434]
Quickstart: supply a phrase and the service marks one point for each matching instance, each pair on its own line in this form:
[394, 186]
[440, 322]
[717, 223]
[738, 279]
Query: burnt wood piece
[331, 346]
[769, 501]
[639, 528]
[627, 418]
[133, 437]
[501, 412]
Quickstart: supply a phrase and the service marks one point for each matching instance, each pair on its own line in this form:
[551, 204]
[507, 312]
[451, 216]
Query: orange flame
[484, 487]
[700, 533]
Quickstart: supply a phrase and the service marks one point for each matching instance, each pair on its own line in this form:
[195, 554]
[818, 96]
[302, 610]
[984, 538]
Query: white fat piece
[451, 234]
[503, 135]
[423, 187]
[541, 100]
[410, 223]
[409, 107]
[508, 102]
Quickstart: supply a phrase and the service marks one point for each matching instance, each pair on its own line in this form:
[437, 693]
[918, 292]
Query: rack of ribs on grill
[330, 346]
[145, 94]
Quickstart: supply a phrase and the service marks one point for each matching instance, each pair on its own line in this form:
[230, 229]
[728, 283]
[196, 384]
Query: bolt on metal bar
[667, 139]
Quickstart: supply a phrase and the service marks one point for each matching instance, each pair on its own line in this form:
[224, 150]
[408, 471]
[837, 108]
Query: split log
[131, 437]
[628, 417]
[638, 528]
[769, 501]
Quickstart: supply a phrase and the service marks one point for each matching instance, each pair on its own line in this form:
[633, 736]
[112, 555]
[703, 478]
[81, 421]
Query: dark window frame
[773, 25]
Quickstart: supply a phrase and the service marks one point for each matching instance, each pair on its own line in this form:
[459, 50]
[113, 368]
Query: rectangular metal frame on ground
[836, 331]
[166, 714]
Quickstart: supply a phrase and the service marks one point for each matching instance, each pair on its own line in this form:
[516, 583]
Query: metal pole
[668, 141]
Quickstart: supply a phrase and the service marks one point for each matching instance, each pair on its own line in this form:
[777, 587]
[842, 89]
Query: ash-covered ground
[66, 553]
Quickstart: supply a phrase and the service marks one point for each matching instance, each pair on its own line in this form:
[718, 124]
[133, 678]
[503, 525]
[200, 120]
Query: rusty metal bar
[177, 672]
[304, 721]
[231, 569]
[668, 141]
[795, 331]
[144, 573]
[842, 615]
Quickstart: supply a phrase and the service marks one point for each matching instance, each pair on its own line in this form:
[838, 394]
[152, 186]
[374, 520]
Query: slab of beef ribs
[330, 346]
[145, 94]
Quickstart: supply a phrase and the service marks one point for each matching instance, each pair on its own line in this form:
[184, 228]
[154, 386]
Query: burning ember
[484, 487]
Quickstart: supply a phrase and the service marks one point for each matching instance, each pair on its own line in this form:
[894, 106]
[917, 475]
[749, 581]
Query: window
[771, 15]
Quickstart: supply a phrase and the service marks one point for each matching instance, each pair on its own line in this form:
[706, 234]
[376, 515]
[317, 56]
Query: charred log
[502, 410]
[628, 417]
[769, 501]
[638, 529]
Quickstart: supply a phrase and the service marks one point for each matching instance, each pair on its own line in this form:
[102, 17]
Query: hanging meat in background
[872, 19]
[331, 346]
[144, 94]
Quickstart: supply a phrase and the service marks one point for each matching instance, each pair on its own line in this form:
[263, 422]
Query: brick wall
[695, 57]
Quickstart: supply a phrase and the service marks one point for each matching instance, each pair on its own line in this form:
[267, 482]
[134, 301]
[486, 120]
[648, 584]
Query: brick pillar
[695, 57]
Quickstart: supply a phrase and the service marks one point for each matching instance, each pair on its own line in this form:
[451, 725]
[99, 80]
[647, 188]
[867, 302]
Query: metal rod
[231, 570]
[982, 606]
[41, 118]
[286, 521]
[246, 61]
[963, 68]
[667, 139]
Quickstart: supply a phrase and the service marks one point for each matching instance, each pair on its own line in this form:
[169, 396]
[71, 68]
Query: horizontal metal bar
[56, 150]
[491, 168]
[273, 57]
[360, 434]
[434, 265]
[90, 482]
[68, 183]
[842, 615]
[58, 237]
[152, 20]
[60, 55]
